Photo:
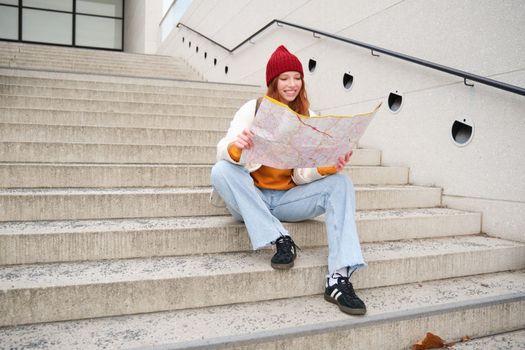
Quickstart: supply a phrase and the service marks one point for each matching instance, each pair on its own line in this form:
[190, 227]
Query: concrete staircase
[107, 239]
[110, 63]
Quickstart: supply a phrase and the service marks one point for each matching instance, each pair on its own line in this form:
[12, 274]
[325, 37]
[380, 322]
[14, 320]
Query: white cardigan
[243, 119]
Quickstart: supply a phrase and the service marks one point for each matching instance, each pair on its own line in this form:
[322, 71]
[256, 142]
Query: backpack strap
[257, 104]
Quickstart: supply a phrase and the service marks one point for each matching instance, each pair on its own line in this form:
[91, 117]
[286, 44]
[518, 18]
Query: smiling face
[289, 85]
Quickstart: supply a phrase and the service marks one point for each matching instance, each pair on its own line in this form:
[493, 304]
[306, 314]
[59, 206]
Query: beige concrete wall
[483, 37]
[141, 26]
[134, 26]
[153, 15]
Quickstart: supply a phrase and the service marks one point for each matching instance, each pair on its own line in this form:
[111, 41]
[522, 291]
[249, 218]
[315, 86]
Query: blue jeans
[263, 210]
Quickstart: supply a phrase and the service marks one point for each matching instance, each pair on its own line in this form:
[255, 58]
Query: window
[9, 22]
[59, 5]
[47, 27]
[98, 32]
[110, 8]
[84, 23]
[173, 16]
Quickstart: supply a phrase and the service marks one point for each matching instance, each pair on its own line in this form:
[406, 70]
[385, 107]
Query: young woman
[262, 196]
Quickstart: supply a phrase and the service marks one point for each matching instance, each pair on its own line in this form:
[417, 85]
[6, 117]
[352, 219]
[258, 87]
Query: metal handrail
[465, 75]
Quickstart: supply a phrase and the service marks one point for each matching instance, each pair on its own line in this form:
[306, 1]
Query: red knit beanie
[282, 61]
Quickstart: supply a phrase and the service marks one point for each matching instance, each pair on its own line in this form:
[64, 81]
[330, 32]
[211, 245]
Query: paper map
[284, 139]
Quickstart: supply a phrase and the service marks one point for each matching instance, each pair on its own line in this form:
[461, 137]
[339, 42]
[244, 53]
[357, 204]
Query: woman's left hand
[341, 161]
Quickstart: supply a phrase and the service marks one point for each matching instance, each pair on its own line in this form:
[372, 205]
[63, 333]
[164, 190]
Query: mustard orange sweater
[272, 178]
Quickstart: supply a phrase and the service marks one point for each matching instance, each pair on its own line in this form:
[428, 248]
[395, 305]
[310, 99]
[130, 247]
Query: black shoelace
[284, 245]
[345, 286]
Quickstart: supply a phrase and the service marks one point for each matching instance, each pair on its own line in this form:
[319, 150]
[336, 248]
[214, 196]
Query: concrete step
[88, 64]
[88, 58]
[80, 63]
[32, 60]
[104, 153]
[83, 63]
[66, 291]
[114, 119]
[101, 67]
[37, 49]
[143, 154]
[117, 69]
[175, 88]
[60, 241]
[503, 341]
[21, 175]
[476, 306]
[79, 54]
[72, 203]
[107, 135]
[166, 108]
[124, 96]
[118, 83]
[57, 57]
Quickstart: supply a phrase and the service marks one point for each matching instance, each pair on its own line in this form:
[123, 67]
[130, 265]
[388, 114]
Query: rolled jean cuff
[353, 268]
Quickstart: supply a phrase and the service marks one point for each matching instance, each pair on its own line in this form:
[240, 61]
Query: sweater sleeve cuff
[327, 170]
[234, 152]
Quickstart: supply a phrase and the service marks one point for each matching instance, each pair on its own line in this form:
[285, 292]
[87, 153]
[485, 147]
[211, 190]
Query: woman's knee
[341, 182]
[223, 170]
[219, 170]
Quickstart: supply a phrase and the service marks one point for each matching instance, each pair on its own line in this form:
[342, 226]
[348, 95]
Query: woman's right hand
[244, 139]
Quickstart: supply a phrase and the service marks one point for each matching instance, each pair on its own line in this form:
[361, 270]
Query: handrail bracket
[465, 82]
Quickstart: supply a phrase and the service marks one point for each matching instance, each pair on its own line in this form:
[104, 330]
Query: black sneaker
[286, 253]
[342, 294]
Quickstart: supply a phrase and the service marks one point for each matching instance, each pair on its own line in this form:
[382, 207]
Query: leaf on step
[463, 339]
[430, 341]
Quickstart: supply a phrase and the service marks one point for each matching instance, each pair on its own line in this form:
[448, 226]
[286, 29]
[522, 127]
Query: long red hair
[300, 105]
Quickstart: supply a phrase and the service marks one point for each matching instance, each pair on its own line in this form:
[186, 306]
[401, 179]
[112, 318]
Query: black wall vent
[311, 65]
[462, 131]
[348, 80]
[395, 100]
